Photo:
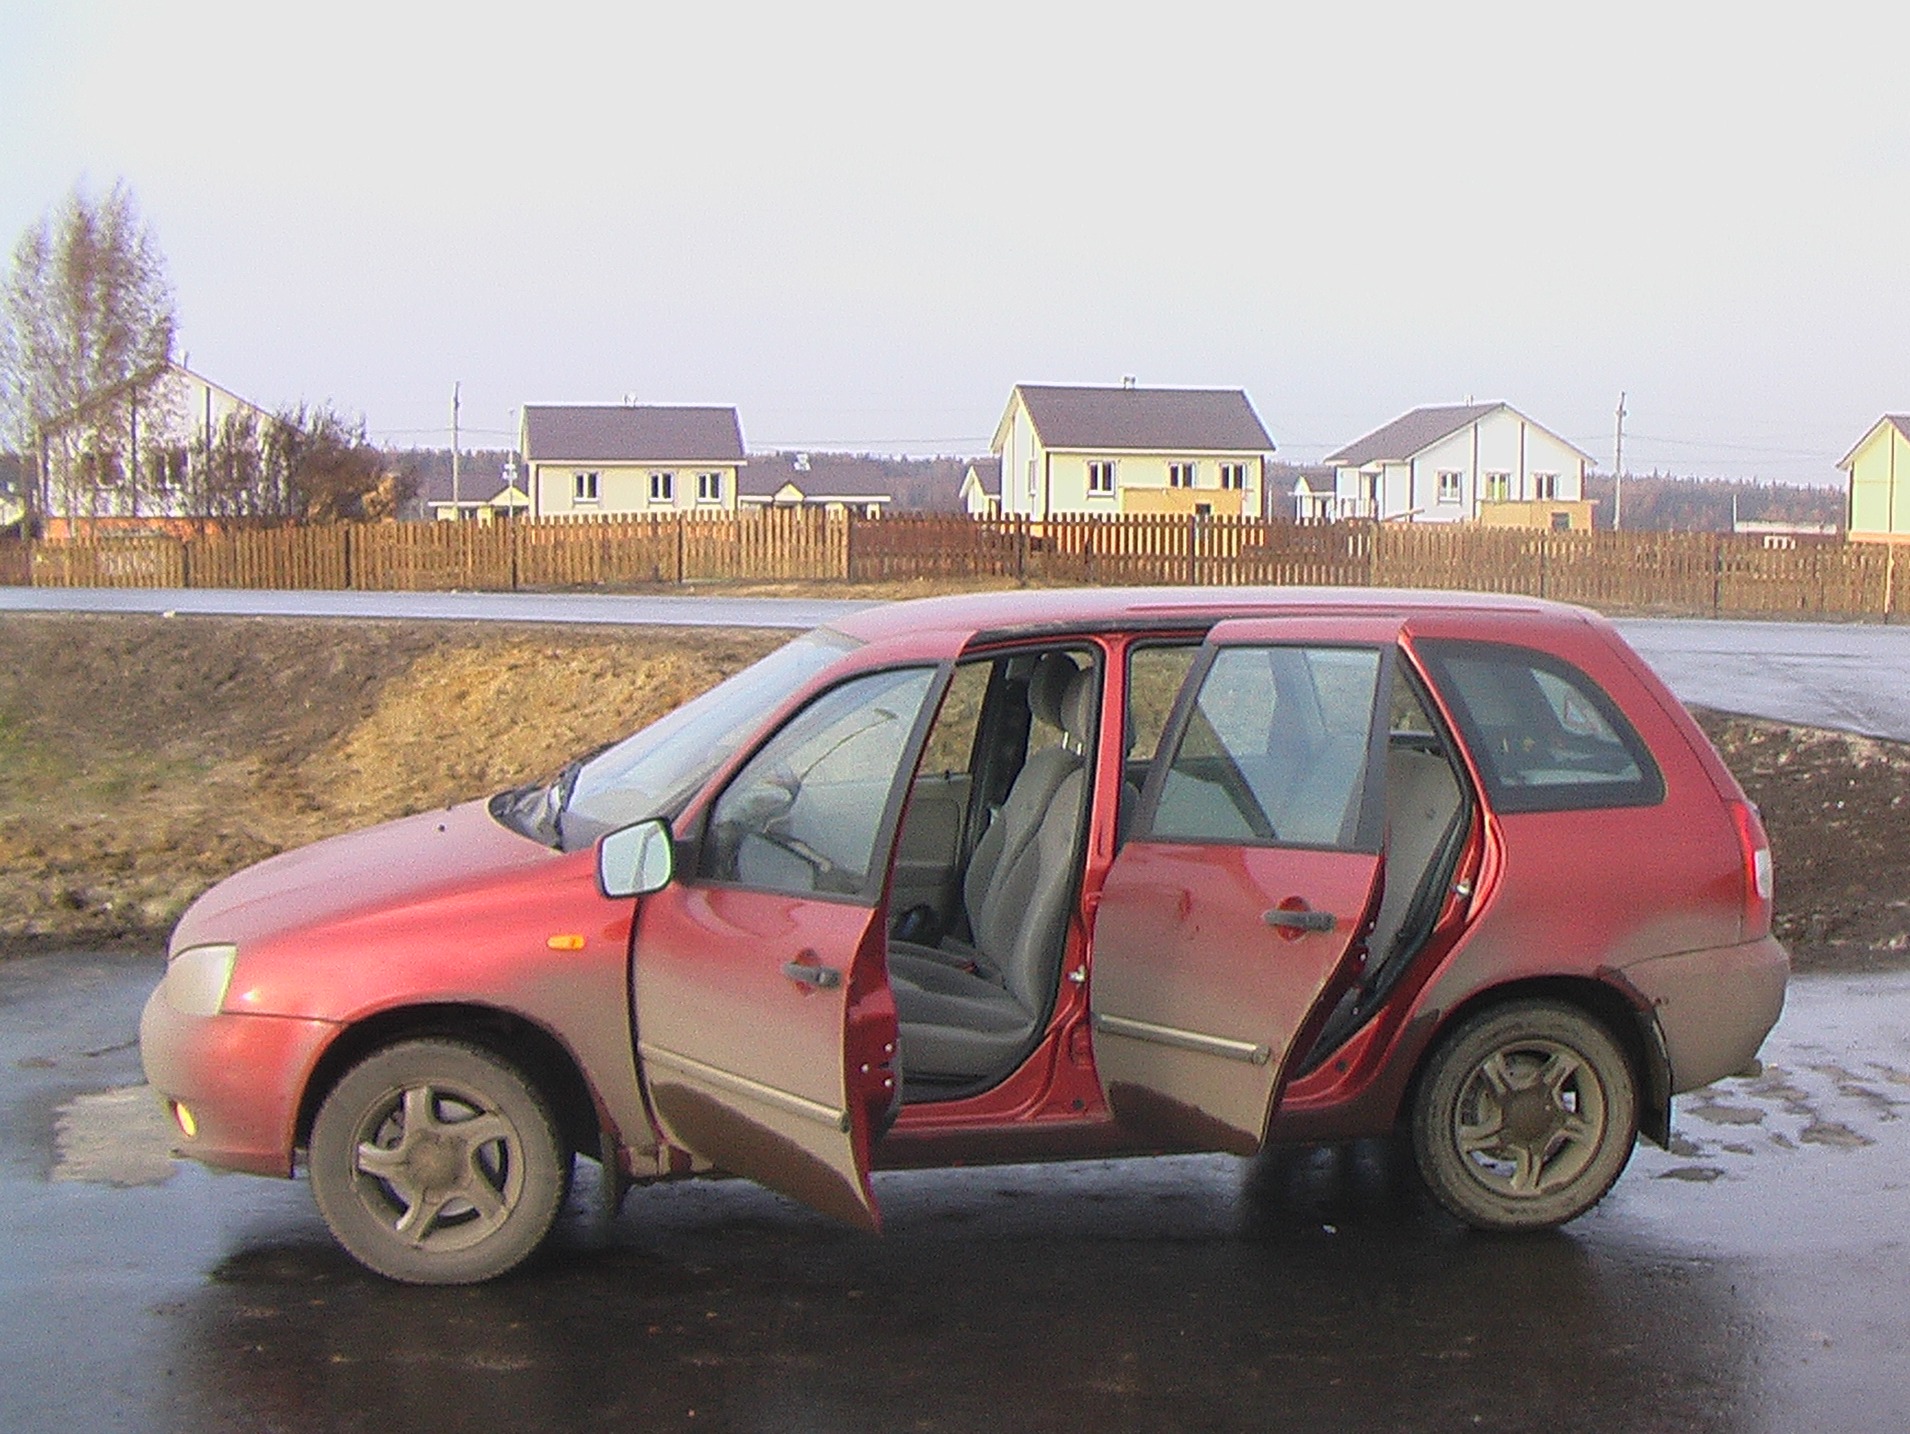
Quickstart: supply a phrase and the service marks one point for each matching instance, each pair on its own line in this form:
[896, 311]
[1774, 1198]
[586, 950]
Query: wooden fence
[1687, 573]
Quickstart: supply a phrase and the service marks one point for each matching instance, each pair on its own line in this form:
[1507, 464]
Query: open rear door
[766, 1032]
[1238, 907]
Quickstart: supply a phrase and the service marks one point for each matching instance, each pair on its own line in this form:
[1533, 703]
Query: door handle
[823, 977]
[1287, 919]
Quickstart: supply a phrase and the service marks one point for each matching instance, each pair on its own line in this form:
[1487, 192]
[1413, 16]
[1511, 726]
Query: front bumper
[240, 1077]
[1714, 1007]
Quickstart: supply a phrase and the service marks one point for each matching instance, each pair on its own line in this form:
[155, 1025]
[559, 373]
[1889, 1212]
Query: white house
[134, 456]
[1476, 462]
[630, 458]
[1066, 450]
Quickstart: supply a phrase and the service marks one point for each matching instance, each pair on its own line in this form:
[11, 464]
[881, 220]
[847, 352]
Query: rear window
[1546, 737]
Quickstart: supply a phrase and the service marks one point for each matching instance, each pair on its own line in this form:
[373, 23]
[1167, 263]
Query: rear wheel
[437, 1162]
[1525, 1116]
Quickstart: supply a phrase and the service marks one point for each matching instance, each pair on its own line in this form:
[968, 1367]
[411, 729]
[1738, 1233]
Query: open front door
[1238, 906]
[766, 1032]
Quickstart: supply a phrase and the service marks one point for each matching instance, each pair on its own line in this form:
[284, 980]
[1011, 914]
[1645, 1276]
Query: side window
[805, 815]
[951, 741]
[1545, 736]
[1275, 750]
[1155, 676]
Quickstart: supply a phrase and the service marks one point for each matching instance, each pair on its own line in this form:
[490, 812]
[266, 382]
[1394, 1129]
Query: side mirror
[636, 860]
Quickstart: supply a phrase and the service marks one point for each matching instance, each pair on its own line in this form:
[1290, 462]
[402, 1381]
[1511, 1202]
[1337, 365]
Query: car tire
[437, 1162]
[1524, 1116]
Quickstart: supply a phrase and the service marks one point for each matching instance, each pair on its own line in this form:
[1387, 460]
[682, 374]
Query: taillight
[1755, 847]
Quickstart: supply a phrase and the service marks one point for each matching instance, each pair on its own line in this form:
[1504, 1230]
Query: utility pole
[1618, 467]
[456, 511]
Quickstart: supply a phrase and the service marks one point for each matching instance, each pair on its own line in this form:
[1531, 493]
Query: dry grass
[141, 759]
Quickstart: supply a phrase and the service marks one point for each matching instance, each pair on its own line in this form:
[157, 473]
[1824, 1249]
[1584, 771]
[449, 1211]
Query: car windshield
[655, 771]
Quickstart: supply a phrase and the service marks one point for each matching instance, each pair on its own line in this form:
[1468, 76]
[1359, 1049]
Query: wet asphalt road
[1756, 1278]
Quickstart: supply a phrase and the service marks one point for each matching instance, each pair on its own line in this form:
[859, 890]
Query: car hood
[393, 864]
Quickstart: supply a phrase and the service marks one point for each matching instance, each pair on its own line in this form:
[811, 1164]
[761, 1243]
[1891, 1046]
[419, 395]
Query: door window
[807, 812]
[1275, 750]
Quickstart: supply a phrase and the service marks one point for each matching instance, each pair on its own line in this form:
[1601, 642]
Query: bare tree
[305, 464]
[87, 306]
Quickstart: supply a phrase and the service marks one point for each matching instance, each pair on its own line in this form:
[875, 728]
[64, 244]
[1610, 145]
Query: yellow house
[629, 458]
[1879, 469]
[1071, 451]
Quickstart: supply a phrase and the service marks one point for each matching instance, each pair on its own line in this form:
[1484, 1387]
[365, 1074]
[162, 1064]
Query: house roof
[826, 477]
[987, 475]
[631, 433]
[1143, 420]
[1411, 433]
[1415, 432]
[148, 375]
[1898, 421]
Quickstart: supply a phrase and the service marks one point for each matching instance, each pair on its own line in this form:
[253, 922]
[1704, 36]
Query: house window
[1451, 485]
[663, 487]
[1031, 480]
[1545, 487]
[170, 467]
[1180, 475]
[1101, 477]
[1561, 522]
[1498, 487]
[584, 487]
[709, 487]
[1233, 475]
[101, 470]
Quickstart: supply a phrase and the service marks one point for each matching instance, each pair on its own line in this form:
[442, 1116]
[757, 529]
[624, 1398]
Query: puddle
[113, 1137]
[1727, 1114]
[1834, 1133]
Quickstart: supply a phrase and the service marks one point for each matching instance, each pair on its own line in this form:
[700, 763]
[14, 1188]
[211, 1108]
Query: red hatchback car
[1013, 877]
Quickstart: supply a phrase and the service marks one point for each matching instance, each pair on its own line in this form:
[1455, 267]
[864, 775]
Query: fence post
[848, 544]
[679, 549]
[1021, 552]
[351, 576]
[1717, 575]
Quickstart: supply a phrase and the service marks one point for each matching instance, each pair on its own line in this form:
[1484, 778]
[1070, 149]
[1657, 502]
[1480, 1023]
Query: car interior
[987, 868]
[1428, 818]
[989, 857]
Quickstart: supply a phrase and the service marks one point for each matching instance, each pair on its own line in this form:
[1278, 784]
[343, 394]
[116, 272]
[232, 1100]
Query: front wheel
[435, 1162]
[1524, 1116]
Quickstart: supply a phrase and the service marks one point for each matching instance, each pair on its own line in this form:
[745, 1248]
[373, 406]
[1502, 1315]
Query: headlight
[196, 979]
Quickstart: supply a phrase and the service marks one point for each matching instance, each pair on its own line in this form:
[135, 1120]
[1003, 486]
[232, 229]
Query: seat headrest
[1048, 687]
[1077, 709]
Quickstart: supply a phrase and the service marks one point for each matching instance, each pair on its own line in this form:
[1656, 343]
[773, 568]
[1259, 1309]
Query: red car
[1013, 877]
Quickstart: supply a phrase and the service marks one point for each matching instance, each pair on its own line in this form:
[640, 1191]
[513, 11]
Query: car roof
[1091, 609]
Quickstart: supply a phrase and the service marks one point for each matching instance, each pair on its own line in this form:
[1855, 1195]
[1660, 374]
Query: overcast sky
[862, 224]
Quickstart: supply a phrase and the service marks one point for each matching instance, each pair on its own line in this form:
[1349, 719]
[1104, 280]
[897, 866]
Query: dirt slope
[143, 758]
